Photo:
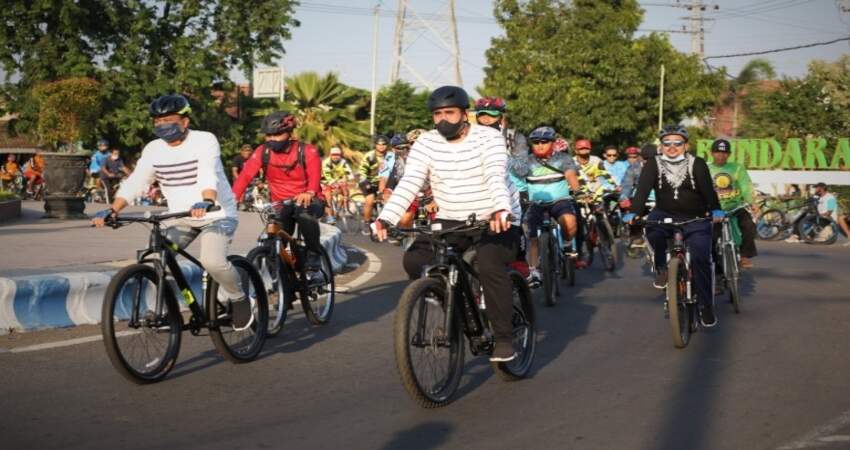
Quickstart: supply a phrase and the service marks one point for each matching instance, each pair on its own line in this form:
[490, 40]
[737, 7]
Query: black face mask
[449, 130]
[278, 146]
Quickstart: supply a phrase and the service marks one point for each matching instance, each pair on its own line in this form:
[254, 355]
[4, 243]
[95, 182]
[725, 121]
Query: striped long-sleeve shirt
[183, 173]
[466, 177]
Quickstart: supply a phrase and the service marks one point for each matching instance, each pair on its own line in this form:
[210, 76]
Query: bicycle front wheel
[677, 307]
[607, 249]
[268, 265]
[730, 263]
[320, 287]
[238, 346]
[428, 356]
[524, 332]
[770, 224]
[547, 269]
[141, 342]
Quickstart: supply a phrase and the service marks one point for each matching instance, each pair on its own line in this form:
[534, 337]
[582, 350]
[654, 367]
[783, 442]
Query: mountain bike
[437, 310]
[598, 233]
[556, 260]
[681, 306]
[730, 259]
[284, 265]
[336, 201]
[141, 321]
[812, 227]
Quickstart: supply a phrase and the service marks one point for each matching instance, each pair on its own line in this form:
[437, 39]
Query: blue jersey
[617, 169]
[545, 179]
[97, 160]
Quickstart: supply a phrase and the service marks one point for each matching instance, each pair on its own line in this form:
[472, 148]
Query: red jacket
[283, 184]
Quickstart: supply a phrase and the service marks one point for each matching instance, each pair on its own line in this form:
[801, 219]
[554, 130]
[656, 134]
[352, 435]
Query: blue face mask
[169, 132]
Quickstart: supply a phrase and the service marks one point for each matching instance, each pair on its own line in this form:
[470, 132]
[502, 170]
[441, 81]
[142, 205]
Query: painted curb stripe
[40, 302]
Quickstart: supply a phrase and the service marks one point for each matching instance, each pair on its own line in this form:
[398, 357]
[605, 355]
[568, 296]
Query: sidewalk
[53, 272]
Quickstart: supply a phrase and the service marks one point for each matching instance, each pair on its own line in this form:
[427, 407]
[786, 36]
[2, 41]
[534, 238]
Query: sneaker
[533, 277]
[660, 279]
[637, 243]
[366, 230]
[330, 220]
[707, 317]
[846, 244]
[503, 351]
[793, 239]
[241, 315]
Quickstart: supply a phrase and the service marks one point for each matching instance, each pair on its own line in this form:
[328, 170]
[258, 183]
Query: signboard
[268, 82]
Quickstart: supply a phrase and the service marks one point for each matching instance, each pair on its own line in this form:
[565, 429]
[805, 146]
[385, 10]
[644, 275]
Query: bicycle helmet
[632, 151]
[492, 106]
[170, 104]
[448, 96]
[721, 145]
[671, 130]
[398, 141]
[382, 139]
[543, 134]
[413, 135]
[102, 141]
[278, 122]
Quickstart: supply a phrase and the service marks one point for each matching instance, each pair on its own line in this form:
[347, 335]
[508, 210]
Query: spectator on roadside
[827, 207]
[239, 161]
[10, 172]
[34, 172]
[844, 223]
[97, 159]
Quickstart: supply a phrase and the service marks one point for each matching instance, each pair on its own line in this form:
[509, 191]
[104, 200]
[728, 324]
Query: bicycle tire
[322, 315]
[732, 275]
[525, 334]
[544, 245]
[679, 314]
[413, 306]
[115, 307]
[770, 225]
[269, 268]
[570, 262]
[221, 332]
[810, 227]
[588, 244]
[606, 247]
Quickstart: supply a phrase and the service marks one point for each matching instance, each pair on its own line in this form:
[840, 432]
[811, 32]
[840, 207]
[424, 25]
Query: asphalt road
[606, 376]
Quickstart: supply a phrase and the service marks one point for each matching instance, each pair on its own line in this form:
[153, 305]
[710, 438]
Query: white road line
[371, 271]
[820, 435]
[66, 343]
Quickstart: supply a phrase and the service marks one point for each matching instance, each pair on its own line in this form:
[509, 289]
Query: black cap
[821, 185]
[721, 145]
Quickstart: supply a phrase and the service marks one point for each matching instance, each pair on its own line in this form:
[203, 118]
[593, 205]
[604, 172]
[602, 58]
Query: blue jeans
[699, 243]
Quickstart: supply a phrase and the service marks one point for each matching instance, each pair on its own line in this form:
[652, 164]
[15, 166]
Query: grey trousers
[216, 235]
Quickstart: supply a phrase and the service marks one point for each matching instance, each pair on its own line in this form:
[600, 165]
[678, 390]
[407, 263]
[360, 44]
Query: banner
[796, 154]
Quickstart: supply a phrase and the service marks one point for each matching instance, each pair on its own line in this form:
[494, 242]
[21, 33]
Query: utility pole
[374, 70]
[456, 42]
[398, 40]
[696, 25]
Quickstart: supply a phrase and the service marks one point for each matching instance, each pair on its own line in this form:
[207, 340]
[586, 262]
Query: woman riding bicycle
[683, 190]
[550, 177]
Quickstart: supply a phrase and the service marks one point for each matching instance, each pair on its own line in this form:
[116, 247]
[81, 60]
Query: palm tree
[328, 111]
[756, 70]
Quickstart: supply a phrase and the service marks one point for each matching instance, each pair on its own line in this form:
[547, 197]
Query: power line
[765, 52]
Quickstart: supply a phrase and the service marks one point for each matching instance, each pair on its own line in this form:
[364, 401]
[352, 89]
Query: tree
[329, 112]
[399, 109]
[68, 110]
[577, 66]
[754, 71]
[139, 49]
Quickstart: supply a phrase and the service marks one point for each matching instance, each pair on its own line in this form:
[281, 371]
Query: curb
[74, 298]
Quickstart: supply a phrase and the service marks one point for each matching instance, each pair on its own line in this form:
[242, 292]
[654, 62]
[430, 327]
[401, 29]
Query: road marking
[66, 343]
[820, 435]
[371, 271]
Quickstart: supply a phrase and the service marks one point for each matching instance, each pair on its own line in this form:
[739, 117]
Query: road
[606, 376]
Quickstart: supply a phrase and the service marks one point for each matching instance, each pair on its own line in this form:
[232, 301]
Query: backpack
[298, 162]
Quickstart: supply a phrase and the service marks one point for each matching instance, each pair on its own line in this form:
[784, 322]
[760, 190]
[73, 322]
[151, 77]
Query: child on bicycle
[550, 178]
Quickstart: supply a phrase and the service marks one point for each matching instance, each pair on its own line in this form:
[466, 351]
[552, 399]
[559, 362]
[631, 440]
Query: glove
[105, 213]
[718, 214]
[629, 217]
[206, 204]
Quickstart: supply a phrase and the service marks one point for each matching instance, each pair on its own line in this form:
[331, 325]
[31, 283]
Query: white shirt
[466, 177]
[183, 173]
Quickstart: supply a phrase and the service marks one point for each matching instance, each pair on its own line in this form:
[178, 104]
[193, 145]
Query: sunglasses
[672, 143]
[537, 142]
[611, 155]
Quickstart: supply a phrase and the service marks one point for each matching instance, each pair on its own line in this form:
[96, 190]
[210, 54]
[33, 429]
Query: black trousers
[494, 252]
[748, 234]
[289, 215]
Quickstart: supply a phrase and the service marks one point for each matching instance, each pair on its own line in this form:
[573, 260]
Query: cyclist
[336, 173]
[683, 191]
[293, 171]
[492, 112]
[613, 165]
[637, 159]
[97, 159]
[374, 163]
[466, 165]
[550, 176]
[734, 188]
[187, 165]
[112, 171]
[401, 146]
[593, 180]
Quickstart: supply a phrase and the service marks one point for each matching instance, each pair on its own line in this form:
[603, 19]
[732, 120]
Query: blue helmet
[673, 129]
[543, 134]
[398, 140]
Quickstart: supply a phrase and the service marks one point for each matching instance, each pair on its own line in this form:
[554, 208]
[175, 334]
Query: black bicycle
[730, 257]
[598, 233]
[435, 311]
[681, 305]
[557, 262]
[141, 320]
[287, 269]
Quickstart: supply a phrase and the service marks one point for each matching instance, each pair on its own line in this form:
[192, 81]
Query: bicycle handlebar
[118, 221]
[670, 222]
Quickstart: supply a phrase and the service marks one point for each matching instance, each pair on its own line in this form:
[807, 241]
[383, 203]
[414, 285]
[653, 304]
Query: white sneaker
[533, 277]
[793, 240]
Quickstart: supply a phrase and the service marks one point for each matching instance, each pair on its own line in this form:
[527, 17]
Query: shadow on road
[421, 437]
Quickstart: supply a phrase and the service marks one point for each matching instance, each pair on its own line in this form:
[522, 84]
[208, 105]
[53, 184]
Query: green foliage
[68, 110]
[329, 112]
[139, 49]
[578, 67]
[7, 195]
[399, 109]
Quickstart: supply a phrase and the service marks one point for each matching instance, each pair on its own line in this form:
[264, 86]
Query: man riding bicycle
[734, 188]
[187, 165]
[466, 165]
[293, 172]
[613, 164]
[97, 160]
[401, 146]
[112, 172]
[636, 159]
[375, 164]
[683, 191]
[336, 173]
[549, 176]
[593, 180]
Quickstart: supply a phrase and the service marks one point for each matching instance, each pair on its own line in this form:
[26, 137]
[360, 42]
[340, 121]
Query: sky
[336, 35]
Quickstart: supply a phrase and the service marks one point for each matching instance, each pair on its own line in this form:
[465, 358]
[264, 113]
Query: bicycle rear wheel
[678, 312]
[770, 224]
[817, 230]
[268, 265]
[429, 357]
[321, 291]
[524, 333]
[730, 263]
[547, 270]
[141, 344]
[238, 346]
[607, 249]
